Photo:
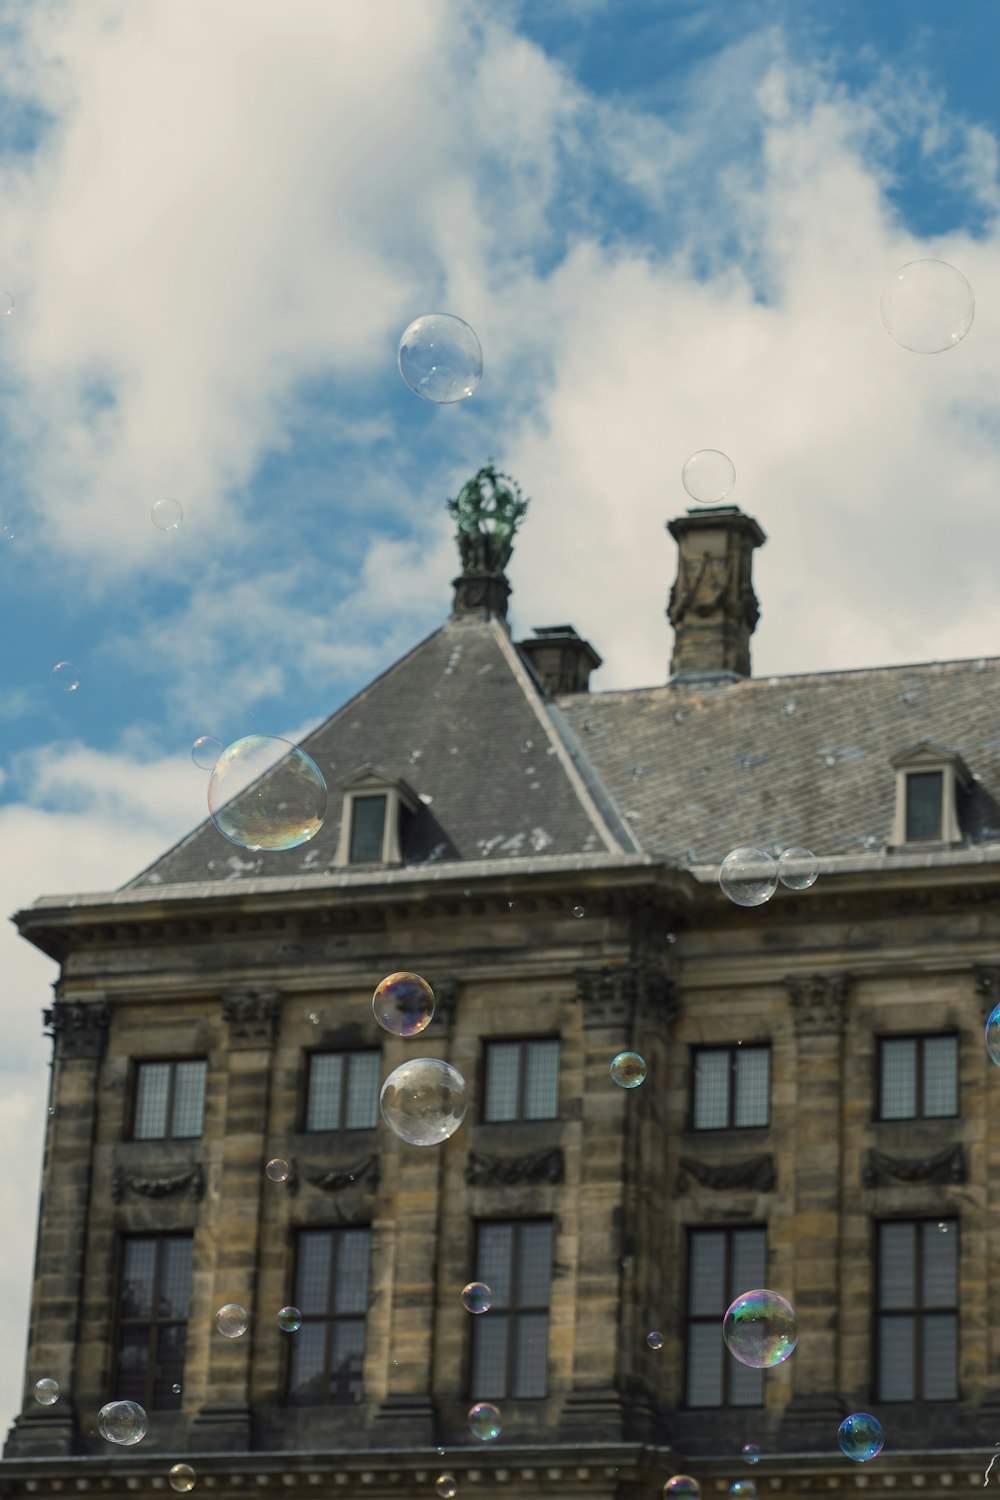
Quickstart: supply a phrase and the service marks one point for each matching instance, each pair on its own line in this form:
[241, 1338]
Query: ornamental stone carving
[446, 1002]
[253, 1016]
[79, 1028]
[362, 1175]
[943, 1168]
[192, 1178]
[753, 1173]
[482, 1170]
[611, 997]
[819, 1002]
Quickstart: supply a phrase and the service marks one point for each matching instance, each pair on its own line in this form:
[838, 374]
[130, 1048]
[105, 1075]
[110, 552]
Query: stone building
[818, 1115]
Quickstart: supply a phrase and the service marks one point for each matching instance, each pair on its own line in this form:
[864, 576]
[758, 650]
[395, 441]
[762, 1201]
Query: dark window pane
[510, 1344]
[189, 1099]
[326, 1073]
[362, 1090]
[493, 1262]
[133, 1363]
[307, 1380]
[169, 1365]
[312, 1283]
[899, 1078]
[896, 1359]
[530, 1366]
[152, 1097]
[939, 1359]
[351, 1291]
[897, 1254]
[489, 1358]
[940, 1264]
[154, 1301]
[711, 1090]
[331, 1289]
[940, 1076]
[139, 1270]
[534, 1264]
[923, 805]
[746, 1386]
[367, 825]
[348, 1361]
[502, 1075]
[749, 1262]
[707, 1284]
[541, 1080]
[175, 1277]
[753, 1066]
[705, 1356]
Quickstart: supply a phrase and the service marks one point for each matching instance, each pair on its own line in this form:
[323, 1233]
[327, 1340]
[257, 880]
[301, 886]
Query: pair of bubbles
[750, 876]
[124, 1423]
[685, 1487]
[232, 1320]
[423, 1101]
[485, 1424]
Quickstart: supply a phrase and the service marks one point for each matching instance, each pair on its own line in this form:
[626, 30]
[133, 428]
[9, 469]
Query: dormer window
[367, 830]
[374, 806]
[923, 805]
[930, 780]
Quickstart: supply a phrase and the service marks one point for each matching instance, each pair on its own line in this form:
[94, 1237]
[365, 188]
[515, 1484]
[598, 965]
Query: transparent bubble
[860, 1437]
[797, 868]
[6, 304]
[277, 1169]
[928, 306]
[232, 1320]
[403, 1004]
[760, 1329]
[708, 476]
[423, 1101]
[446, 1486]
[265, 793]
[440, 358]
[181, 1478]
[477, 1297]
[46, 1391]
[751, 1453]
[289, 1319]
[65, 677]
[628, 1070]
[743, 1489]
[654, 1339]
[205, 752]
[313, 1018]
[122, 1422]
[579, 911]
[748, 876]
[176, 1389]
[682, 1487]
[167, 514]
[993, 1035]
[484, 1421]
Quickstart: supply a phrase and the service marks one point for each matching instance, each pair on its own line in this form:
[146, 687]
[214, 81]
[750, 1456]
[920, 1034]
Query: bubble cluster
[654, 1339]
[423, 1101]
[682, 1487]
[928, 306]
[403, 1004]
[440, 358]
[628, 1070]
[760, 1329]
[205, 752]
[167, 514]
[46, 1391]
[748, 876]
[289, 1319]
[477, 1297]
[484, 1421]
[232, 1320]
[860, 1437]
[181, 1478]
[277, 1169]
[708, 476]
[122, 1422]
[993, 1035]
[265, 793]
[446, 1486]
[751, 1453]
[797, 868]
[65, 677]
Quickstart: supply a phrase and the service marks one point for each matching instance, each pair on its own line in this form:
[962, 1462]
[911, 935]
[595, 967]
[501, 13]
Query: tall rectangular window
[918, 1077]
[722, 1263]
[153, 1305]
[732, 1087]
[522, 1081]
[342, 1090]
[917, 1358]
[169, 1100]
[923, 804]
[367, 830]
[331, 1292]
[510, 1345]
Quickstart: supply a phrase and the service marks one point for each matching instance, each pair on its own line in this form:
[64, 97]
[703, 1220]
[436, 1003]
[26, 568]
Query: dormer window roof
[930, 779]
[374, 806]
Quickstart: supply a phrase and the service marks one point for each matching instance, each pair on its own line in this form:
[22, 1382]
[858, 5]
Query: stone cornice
[819, 1002]
[79, 1028]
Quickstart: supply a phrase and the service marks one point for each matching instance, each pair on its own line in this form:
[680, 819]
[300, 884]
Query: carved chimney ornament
[713, 607]
[487, 510]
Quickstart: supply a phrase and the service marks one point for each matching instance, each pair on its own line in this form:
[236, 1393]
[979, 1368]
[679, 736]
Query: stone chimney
[713, 607]
[561, 659]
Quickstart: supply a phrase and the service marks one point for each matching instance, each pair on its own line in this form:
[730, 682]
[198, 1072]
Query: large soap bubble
[760, 1329]
[681, 1487]
[423, 1101]
[928, 306]
[798, 868]
[46, 1391]
[181, 1478]
[440, 358]
[748, 876]
[708, 476]
[166, 514]
[628, 1069]
[122, 1422]
[403, 1004]
[860, 1436]
[265, 793]
[232, 1320]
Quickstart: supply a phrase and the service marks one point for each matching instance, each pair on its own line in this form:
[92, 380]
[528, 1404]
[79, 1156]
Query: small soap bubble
[860, 1437]
[628, 1070]
[748, 876]
[423, 1101]
[122, 1422]
[265, 793]
[579, 911]
[6, 304]
[440, 358]
[167, 514]
[654, 1339]
[751, 1453]
[797, 868]
[403, 1004]
[928, 306]
[181, 1478]
[289, 1319]
[52, 1109]
[743, 1489]
[313, 1018]
[446, 1486]
[277, 1169]
[176, 1388]
[682, 1487]
[477, 1297]
[46, 1391]
[484, 1421]
[760, 1329]
[65, 677]
[232, 1320]
[708, 476]
[993, 1035]
[205, 752]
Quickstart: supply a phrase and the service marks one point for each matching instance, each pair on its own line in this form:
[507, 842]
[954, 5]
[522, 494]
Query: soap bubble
[181, 1478]
[682, 1487]
[46, 1391]
[751, 1453]
[232, 1320]
[65, 677]
[484, 1421]
[628, 1070]
[176, 1388]
[440, 358]
[579, 911]
[654, 1339]
[265, 793]
[277, 1169]
[6, 304]
[423, 1101]
[446, 1486]
[403, 1004]
[797, 868]
[760, 1329]
[167, 514]
[708, 476]
[477, 1297]
[860, 1437]
[205, 752]
[928, 306]
[993, 1035]
[289, 1319]
[748, 876]
[743, 1489]
[122, 1422]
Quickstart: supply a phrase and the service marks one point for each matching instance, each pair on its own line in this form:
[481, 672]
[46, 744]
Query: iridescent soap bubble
[682, 1487]
[176, 1388]
[46, 1391]
[289, 1319]
[440, 358]
[266, 793]
[423, 1101]
[232, 1320]
[484, 1421]
[760, 1329]
[65, 677]
[748, 876]
[446, 1486]
[993, 1035]
[122, 1422]
[205, 752]
[181, 1478]
[751, 1453]
[654, 1339]
[277, 1169]
[708, 476]
[743, 1489]
[860, 1437]
[477, 1297]
[797, 868]
[928, 306]
[628, 1070]
[403, 1004]
[167, 514]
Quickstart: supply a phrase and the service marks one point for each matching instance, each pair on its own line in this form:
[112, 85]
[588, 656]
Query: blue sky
[670, 224]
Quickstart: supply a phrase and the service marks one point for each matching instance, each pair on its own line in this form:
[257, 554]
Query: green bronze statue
[487, 509]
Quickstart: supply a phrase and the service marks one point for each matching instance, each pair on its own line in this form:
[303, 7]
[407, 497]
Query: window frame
[920, 1073]
[331, 1318]
[522, 1043]
[734, 1049]
[354, 803]
[916, 1313]
[938, 773]
[153, 1323]
[729, 1230]
[341, 1128]
[138, 1063]
[513, 1312]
